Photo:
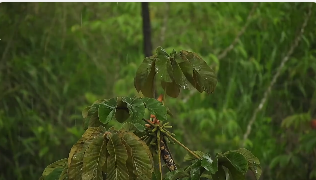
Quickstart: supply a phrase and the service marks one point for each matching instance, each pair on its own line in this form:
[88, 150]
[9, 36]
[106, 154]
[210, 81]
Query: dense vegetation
[57, 58]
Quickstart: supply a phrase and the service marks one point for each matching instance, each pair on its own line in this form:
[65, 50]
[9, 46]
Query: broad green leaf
[253, 162]
[171, 88]
[141, 156]
[235, 163]
[144, 79]
[107, 110]
[155, 107]
[205, 75]
[177, 74]
[142, 73]
[174, 175]
[209, 164]
[116, 162]
[162, 65]
[56, 168]
[94, 159]
[75, 159]
[136, 108]
[129, 162]
[196, 71]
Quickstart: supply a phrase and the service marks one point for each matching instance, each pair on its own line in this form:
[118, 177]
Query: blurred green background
[57, 58]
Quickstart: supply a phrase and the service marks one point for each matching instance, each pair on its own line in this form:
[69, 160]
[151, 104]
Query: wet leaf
[156, 108]
[94, 159]
[116, 163]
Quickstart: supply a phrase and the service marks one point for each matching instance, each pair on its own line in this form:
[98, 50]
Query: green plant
[128, 149]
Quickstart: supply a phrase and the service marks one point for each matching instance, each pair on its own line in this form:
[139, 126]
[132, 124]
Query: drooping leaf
[253, 162]
[235, 163]
[156, 108]
[163, 65]
[116, 162]
[107, 110]
[237, 160]
[94, 159]
[136, 108]
[144, 79]
[204, 76]
[141, 156]
[75, 159]
[177, 174]
[171, 88]
[55, 169]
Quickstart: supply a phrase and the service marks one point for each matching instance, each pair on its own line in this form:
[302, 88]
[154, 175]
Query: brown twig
[241, 32]
[275, 77]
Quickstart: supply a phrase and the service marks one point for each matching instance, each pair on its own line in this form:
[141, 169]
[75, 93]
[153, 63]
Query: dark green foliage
[174, 71]
[57, 58]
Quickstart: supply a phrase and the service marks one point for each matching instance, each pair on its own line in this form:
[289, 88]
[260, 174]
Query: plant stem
[175, 140]
[159, 153]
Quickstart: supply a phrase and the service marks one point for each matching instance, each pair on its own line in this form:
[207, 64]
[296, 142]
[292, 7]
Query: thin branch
[275, 77]
[241, 32]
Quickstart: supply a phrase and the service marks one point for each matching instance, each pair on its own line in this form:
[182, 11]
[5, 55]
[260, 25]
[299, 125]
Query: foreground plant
[129, 152]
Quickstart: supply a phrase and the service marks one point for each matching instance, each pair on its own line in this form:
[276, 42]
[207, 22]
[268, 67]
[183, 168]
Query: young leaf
[116, 162]
[55, 169]
[107, 110]
[94, 159]
[75, 159]
[141, 156]
[156, 108]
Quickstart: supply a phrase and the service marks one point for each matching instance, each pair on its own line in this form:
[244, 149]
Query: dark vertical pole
[147, 37]
[146, 29]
